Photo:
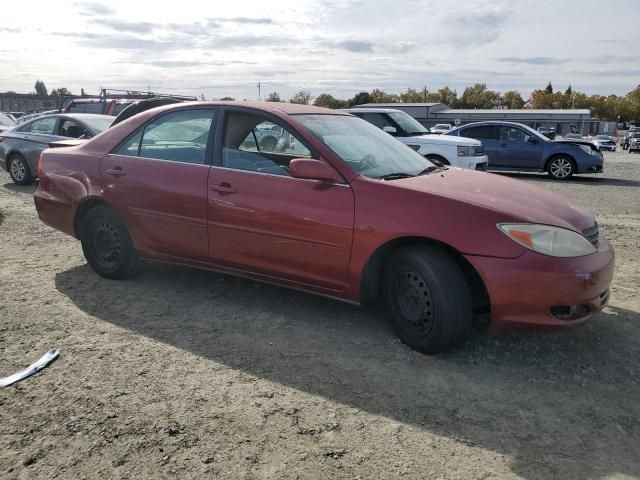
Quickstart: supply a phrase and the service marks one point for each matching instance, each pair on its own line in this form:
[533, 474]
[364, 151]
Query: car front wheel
[19, 170]
[427, 298]
[106, 244]
[561, 168]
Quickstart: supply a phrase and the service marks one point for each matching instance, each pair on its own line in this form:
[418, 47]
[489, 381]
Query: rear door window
[483, 132]
[44, 126]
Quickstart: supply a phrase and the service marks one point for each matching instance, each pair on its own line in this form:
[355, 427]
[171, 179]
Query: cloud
[534, 60]
[246, 20]
[192, 63]
[356, 46]
[248, 41]
[9, 30]
[124, 25]
[94, 8]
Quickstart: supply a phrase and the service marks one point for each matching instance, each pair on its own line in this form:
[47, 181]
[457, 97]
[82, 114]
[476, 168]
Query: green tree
[328, 101]
[478, 96]
[41, 89]
[359, 99]
[512, 100]
[411, 95]
[273, 97]
[445, 95]
[380, 96]
[549, 88]
[227, 99]
[303, 97]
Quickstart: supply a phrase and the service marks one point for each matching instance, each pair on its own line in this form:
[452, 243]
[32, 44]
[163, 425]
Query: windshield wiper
[395, 176]
[429, 169]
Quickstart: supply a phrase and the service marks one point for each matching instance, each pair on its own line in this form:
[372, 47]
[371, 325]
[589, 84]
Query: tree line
[624, 108]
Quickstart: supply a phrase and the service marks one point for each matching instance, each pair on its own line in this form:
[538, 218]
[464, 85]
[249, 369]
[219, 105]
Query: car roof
[277, 108]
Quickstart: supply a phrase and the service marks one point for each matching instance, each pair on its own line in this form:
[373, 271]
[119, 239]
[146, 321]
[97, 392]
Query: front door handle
[116, 172]
[223, 188]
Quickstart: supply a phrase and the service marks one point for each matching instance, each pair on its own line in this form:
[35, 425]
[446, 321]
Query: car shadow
[543, 178]
[562, 405]
[26, 189]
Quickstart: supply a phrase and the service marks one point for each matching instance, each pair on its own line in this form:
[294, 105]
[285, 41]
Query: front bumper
[476, 162]
[529, 288]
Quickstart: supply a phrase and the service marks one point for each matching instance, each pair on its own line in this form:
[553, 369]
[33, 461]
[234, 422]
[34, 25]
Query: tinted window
[44, 126]
[94, 107]
[377, 119]
[254, 144]
[131, 147]
[69, 128]
[179, 136]
[482, 132]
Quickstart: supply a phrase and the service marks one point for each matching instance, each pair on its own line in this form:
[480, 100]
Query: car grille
[479, 151]
[592, 234]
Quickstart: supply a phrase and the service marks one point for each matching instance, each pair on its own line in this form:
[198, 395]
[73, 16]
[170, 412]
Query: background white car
[456, 151]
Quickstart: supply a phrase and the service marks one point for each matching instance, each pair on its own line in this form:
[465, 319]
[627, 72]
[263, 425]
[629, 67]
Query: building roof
[569, 111]
[396, 105]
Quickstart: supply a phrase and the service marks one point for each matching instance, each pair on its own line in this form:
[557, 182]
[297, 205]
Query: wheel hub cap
[561, 167]
[18, 170]
[414, 300]
[107, 244]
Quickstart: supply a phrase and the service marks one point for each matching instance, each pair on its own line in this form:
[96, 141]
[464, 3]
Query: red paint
[318, 235]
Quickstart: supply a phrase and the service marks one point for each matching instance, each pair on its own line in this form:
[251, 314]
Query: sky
[340, 47]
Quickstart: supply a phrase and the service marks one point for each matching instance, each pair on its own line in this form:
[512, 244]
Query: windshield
[602, 137]
[364, 147]
[635, 135]
[6, 120]
[443, 126]
[408, 123]
[99, 123]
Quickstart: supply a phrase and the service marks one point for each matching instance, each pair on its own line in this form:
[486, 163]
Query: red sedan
[322, 201]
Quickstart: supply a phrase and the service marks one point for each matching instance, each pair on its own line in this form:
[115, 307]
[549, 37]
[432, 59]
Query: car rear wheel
[561, 168]
[427, 299]
[107, 245]
[19, 170]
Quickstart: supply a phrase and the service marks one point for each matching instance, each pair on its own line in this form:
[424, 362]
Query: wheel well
[82, 211]
[437, 157]
[573, 161]
[371, 283]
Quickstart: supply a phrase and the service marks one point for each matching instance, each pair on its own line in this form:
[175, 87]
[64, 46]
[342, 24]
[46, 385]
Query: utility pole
[259, 95]
[424, 93]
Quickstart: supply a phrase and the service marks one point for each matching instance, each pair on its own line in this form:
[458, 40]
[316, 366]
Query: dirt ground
[191, 374]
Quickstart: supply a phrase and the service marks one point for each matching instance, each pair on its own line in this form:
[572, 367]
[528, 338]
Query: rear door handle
[223, 188]
[116, 172]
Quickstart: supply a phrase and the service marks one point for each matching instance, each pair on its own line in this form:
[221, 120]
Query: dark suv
[548, 132]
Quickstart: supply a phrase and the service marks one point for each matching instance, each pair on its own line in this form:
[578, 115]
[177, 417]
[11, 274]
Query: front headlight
[548, 240]
[466, 151]
[588, 149]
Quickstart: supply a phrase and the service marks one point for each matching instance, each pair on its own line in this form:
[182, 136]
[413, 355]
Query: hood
[577, 141]
[514, 198]
[444, 140]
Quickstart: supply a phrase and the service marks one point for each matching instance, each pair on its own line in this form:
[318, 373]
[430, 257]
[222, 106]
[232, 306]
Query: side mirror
[389, 129]
[533, 140]
[313, 170]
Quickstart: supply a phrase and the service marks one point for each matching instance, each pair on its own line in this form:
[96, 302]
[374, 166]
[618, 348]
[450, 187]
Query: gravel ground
[190, 374]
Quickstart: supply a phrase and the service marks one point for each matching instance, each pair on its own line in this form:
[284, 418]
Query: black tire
[19, 170]
[427, 298]
[106, 244]
[561, 167]
[268, 144]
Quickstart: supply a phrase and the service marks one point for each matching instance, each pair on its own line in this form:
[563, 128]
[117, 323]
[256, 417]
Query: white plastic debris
[45, 360]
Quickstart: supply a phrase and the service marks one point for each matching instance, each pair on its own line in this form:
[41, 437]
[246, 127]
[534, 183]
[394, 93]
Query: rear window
[96, 107]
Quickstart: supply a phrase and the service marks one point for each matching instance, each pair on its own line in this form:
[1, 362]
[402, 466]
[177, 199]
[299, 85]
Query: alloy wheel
[18, 169]
[561, 167]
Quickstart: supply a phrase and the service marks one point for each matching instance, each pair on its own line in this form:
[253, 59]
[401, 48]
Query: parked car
[21, 146]
[572, 135]
[440, 128]
[459, 152]
[624, 142]
[548, 132]
[605, 142]
[634, 142]
[351, 214]
[109, 106]
[17, 115]
[6, 122]
[516, 147]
